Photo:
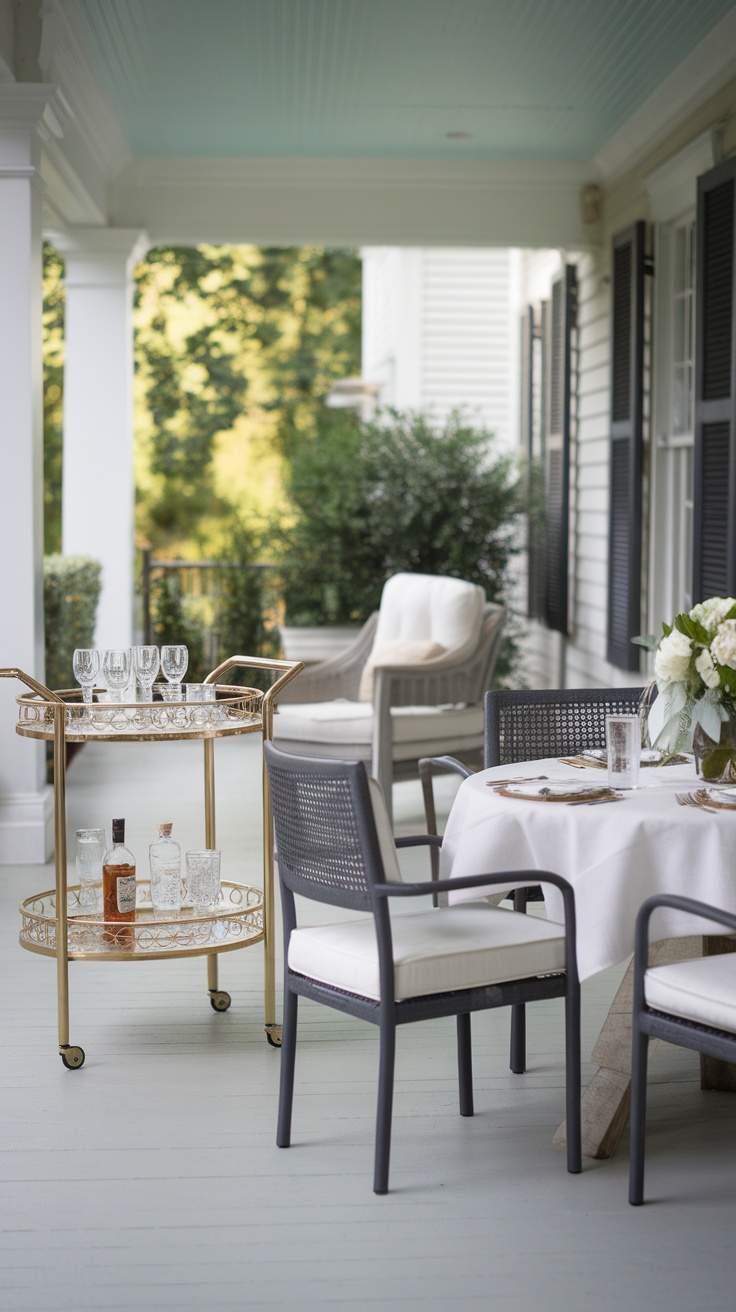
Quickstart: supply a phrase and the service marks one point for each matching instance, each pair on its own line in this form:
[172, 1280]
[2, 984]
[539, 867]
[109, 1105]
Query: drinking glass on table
[116, 669]
[623, 744]
[86, 666]
[146, 661]
[174, 662]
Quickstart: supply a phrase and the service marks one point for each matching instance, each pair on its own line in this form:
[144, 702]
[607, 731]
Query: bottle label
[125, 893]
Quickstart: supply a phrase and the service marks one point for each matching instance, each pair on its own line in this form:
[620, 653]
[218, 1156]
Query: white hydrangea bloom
[712, 612]
[723, 645]
[706, 669]
[672, 661]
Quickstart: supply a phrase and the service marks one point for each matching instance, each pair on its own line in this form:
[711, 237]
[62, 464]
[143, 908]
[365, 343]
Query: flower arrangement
[695, 674]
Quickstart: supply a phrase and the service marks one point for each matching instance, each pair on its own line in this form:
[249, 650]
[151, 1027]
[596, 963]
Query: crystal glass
[174, 662]
[116, 669]
[623, 742]
[86, 666]
[146, 661]
[91, 846]
[203, 879]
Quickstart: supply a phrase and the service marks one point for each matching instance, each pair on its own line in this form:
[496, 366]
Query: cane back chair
[334, 845]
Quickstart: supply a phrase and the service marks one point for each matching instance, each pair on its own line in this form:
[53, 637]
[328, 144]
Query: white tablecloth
[614, 855]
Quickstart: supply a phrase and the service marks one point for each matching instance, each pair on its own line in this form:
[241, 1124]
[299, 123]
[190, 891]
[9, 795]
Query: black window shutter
[627, 424]
[531, 449]
[714, 487]
[562, 319]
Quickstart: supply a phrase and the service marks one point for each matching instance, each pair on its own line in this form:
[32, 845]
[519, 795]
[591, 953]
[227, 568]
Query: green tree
[223, 333]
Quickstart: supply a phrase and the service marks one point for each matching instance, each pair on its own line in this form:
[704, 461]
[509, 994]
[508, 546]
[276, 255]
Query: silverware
[687, 799]
[517, 779]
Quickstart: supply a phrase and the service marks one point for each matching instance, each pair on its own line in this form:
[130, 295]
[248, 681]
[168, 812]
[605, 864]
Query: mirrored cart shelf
[235, 923]
[235, 711]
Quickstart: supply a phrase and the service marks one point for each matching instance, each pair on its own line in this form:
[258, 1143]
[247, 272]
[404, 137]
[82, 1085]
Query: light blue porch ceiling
[526, 79]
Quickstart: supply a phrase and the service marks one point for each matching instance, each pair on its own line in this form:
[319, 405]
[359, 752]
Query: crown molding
[672, 187]
[705, 71]
[33, 105]
[354, 202]
[64, 60]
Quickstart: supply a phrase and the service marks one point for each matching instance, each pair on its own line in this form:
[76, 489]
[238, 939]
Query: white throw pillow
[402, 651]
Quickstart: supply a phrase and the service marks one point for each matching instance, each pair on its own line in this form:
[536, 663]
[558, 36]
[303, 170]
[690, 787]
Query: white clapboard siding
[438, 332]
[466, 347]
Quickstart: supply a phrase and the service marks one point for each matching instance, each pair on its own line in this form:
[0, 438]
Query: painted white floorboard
[150, 1178]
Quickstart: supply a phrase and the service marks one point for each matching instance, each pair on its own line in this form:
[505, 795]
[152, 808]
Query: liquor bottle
[165, 863]
[118, 888]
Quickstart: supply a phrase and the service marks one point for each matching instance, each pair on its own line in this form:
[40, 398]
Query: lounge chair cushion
[400, 651]
[350, 724]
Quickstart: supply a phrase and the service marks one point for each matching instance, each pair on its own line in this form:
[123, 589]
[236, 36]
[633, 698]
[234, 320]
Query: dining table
[669, 834]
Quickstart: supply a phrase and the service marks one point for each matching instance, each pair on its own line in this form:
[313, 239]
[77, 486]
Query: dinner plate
[649, 756]
[550, 791]
[724, 796]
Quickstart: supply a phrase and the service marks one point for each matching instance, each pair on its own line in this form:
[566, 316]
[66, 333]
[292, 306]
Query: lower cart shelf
[236, 923]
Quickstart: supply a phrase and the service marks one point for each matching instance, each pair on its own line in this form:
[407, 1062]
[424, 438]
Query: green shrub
[71, 591]
[172, 625]
[371, 499]
[241, 626]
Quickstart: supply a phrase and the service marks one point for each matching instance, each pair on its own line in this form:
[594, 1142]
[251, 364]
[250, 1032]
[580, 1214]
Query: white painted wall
[439, 331]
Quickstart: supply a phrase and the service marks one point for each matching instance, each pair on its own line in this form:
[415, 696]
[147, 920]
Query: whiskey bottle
[165, 861]
[118, 889]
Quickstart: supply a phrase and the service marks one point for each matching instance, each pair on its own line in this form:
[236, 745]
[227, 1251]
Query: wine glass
[174, 662]
[86, 666]
[145, 664]
[116, 668]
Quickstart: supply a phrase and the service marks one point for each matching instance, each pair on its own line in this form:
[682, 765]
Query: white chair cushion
[343, 723]
[401, 651]
[435, 951]
[448, 611]
[702, 990]
[389, 856]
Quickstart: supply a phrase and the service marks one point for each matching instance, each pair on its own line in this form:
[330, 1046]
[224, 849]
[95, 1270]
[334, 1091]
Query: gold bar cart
[245, 915]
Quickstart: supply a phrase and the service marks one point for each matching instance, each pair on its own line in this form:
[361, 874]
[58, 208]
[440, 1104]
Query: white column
[26, 825]
[98, 494]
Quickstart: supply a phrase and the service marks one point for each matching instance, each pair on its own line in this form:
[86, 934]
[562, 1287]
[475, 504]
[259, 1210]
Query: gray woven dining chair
[532, 725]
[689, 1003]
[334, 845]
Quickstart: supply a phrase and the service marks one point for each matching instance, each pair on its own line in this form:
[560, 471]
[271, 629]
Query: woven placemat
[575, 795]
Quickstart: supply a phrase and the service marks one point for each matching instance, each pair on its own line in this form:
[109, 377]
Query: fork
[686, 799]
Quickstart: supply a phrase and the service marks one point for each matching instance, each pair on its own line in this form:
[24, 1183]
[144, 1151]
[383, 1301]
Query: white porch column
[98, 495]
[26, 825]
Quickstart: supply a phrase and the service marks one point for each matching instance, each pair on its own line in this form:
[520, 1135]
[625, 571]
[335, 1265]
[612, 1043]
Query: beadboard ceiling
[547, 80]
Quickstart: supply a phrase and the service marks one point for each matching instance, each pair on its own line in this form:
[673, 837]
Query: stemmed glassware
[174, 662]
[86, 666]
[145, 665]
[116, 669]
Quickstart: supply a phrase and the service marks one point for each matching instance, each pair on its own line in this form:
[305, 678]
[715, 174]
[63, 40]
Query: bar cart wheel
[219, 999]
[73, 1058]
[273, 1034]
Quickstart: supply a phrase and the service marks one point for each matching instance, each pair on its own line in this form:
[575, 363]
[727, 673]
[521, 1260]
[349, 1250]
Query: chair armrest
[429, 766]
[337, 677]
[525, 878]
[687, 904]
[419, 840]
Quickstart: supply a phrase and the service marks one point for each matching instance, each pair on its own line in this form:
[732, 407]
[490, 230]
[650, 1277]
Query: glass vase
[715, 762]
